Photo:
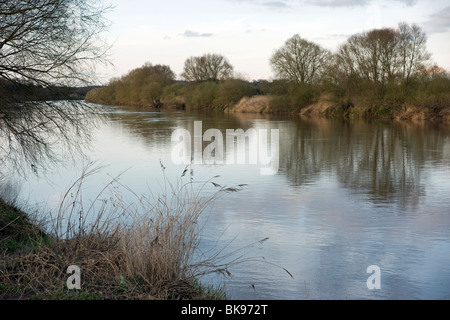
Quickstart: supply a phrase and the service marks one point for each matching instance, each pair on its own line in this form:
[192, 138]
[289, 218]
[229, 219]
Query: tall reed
[127, 245]
[151, 239]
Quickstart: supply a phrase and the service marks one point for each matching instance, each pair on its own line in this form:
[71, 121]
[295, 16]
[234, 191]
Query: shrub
[202, 95]
[231, 92]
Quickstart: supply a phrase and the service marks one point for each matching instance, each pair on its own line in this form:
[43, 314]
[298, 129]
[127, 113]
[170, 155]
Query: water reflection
[37, 135]
[347, 195]
[384, 161]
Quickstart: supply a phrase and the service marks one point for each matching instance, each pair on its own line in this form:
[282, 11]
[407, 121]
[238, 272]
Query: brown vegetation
[145, 249]
[255, 104]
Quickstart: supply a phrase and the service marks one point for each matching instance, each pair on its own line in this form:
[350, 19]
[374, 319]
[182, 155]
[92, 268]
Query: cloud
[192, 34]
[338, 3]
[350, 3]
[274, 4]
[409, 3]
[268, 4]
[438, 22]
[286, 4]
[340, 35]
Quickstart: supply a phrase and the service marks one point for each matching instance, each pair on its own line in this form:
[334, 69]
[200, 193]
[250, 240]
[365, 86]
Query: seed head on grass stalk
[136, 246]
[165, 230]
[77, 219]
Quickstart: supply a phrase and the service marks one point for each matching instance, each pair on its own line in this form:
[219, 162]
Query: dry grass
[317, 109]
[326, 107]
[254, 104]
[415, 113]
[144, 248]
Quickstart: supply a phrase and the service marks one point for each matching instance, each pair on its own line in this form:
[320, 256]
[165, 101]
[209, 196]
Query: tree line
[207, 83]
[375, 72]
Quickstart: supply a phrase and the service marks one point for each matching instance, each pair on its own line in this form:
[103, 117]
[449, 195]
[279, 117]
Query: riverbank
[306, 104]
[34, 263]
[426, 97]
[327, 108]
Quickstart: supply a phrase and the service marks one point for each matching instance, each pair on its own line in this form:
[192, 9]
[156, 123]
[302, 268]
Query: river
[343, 196]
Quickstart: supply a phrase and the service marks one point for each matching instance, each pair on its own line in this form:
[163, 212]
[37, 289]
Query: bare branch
[299, 60]
[209, 67]
[46, 45]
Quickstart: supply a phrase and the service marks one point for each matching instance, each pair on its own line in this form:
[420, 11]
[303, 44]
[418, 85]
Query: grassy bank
[426, 98]
[145, 249]
[326, 107]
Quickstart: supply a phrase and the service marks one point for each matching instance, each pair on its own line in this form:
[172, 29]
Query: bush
[102, 95]
[142, 86]
[294, 98]
[301, 96]
[174, 96]
[202, 95]
[231, 91]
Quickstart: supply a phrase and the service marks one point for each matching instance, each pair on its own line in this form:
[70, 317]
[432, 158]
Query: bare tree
[412, 52]
[372, 54]
[299, 60]
[384, 55]
[209, 67]
[45, 45]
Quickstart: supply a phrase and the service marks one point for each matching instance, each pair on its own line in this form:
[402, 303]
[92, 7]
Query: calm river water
[345, 196]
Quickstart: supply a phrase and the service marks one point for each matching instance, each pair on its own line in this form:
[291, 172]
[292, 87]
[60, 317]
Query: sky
[247, 32]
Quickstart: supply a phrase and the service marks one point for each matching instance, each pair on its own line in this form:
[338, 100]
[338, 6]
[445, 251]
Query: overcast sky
[247, 32]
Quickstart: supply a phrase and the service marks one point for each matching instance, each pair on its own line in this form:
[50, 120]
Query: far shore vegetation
[379, 74]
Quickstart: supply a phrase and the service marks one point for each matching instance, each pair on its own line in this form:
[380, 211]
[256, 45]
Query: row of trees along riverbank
[378, 73]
